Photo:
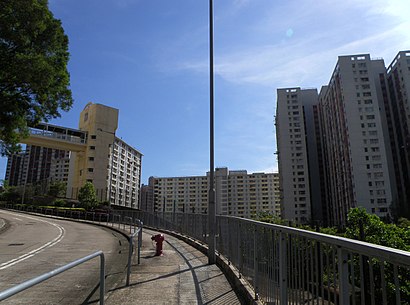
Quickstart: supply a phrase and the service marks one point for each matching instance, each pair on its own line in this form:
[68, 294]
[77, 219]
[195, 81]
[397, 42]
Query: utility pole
[211, 193]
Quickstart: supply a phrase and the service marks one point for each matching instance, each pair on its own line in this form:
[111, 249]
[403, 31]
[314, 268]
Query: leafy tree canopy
[87, 196]
[269, 217]
[376, 231]
[57, 189]
[34, 81]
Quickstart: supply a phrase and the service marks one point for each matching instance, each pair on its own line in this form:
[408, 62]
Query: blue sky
[149, 59]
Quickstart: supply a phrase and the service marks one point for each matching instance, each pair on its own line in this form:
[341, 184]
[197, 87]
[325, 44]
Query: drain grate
[17, 244]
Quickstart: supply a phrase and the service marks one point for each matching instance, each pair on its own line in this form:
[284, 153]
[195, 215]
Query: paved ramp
[181, 276]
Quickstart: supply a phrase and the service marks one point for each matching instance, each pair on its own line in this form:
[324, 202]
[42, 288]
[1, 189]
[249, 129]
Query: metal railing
[37, 280]
[137, 232]
[60, 136]
[286, 265]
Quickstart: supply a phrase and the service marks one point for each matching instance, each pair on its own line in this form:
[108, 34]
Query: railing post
[283, 283]
[255, 261]
[139, 242]
[343, 276]
[129, 259]
[102, 278]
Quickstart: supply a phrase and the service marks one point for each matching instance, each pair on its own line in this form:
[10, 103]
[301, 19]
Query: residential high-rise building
[37, 165]
[16, 170]
[124, 175]
[113, 166]
[353, 138]
[147, 198]
[396, 90]
[98, 156]
[297, 135]
[357, 156]
[237, 193]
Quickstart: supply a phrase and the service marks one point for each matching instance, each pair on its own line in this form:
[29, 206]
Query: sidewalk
[181, 276]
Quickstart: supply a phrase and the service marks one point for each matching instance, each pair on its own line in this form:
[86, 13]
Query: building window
[93, 137]
[90, 169]
[92, 147]
[91, 158]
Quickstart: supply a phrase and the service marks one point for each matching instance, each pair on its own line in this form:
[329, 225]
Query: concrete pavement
[181, 276]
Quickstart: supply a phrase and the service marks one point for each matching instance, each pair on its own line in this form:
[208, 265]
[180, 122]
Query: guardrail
[57, 135]
[286, 265]
[136, 232]
[37, 280]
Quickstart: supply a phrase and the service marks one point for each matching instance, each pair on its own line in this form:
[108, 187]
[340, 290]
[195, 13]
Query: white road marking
[17, 218]
[38, 250]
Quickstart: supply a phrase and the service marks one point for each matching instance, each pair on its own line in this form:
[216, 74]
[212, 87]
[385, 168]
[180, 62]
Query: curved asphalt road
[32, 245]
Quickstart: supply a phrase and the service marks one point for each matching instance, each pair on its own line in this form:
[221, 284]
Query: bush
[87, 196]
[60, 203]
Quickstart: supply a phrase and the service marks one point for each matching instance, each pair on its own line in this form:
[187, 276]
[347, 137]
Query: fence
[287, 265]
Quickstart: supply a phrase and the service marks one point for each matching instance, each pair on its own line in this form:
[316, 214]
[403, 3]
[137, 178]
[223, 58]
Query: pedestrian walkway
[181, 276]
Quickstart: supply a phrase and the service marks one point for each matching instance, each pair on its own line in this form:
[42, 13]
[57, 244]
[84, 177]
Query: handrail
[131, 247]
[396, 256]
[37, 280]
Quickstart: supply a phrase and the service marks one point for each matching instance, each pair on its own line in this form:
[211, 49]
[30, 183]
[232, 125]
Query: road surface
[32, 245]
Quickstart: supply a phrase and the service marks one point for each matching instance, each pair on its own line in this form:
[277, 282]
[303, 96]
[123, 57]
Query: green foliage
[269, 217]
[59, 203]
[57, 189]
[34, 81]
[369, 228]
[376, 231]
[87, 196]
[9, 194]
[61, 208]
[329, 231]
[403, 223]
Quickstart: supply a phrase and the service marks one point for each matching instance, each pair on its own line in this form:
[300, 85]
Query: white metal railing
[57, 135]
[137, 232]
[37, 280]
[287, 265]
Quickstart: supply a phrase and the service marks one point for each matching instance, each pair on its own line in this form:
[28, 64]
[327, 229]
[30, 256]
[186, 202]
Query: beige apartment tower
[100, 122]
[108, 162]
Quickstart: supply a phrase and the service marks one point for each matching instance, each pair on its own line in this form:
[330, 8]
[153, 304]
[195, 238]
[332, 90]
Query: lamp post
[111, 164]
[211, 192]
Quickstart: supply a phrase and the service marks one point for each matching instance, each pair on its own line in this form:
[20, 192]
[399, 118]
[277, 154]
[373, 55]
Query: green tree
[375, 231]
[368, 227]
[57, 189]
[87, 196]
[269, 217]
[34, 81]
[9, 193]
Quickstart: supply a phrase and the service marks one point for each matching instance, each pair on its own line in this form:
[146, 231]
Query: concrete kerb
[240, 285]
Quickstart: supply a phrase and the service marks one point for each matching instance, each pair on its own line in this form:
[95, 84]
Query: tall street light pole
[211, 193]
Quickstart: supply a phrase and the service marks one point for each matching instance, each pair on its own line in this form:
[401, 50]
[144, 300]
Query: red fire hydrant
[159, 239]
